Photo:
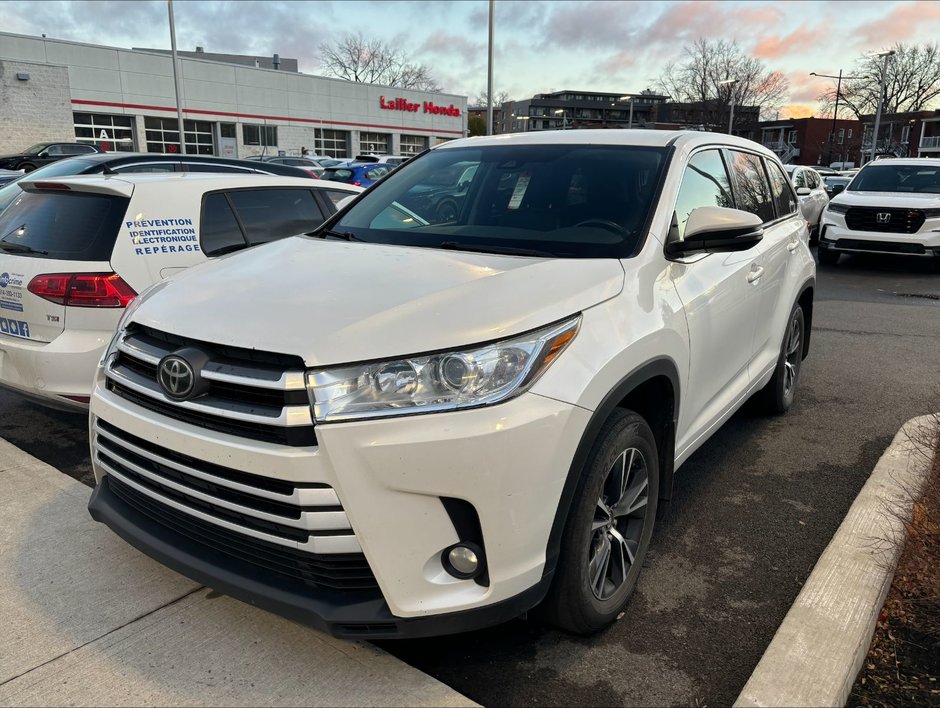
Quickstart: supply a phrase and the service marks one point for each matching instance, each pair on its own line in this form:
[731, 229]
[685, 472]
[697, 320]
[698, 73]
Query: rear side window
[753, 191]
[74, 226]
[205, 167]
[376, 173]
[336, 196]
[219, 230]
[146, 168]
[705, 183]
[270, 214]
[784, 198]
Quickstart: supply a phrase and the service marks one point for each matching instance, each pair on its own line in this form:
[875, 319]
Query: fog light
[465, 560]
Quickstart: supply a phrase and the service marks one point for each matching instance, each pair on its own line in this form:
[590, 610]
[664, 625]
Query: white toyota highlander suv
[415, 422]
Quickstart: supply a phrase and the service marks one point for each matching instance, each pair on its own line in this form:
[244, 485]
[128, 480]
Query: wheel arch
[644, 391]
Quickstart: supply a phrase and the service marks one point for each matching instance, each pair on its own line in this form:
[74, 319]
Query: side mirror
[717, 230]
[803, 191]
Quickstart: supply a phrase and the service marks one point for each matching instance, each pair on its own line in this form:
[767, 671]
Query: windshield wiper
[503, 250]
[8, 247]
[344, 235]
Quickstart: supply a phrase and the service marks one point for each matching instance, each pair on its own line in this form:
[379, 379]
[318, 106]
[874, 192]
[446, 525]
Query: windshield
[569, 201]
[35, 149]
[61, 168]
[898, 178]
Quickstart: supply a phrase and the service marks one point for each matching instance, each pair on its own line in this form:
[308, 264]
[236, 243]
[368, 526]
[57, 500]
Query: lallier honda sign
[400, 104]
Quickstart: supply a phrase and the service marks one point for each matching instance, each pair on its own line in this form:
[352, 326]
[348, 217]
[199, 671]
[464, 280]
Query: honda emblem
[883, 217]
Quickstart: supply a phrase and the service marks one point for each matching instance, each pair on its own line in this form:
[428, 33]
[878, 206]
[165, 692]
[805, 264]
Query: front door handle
[755, 274]
[792, 246]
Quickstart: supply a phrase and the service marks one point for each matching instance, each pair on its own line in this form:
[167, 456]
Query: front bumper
[837, 237]
[508, 461]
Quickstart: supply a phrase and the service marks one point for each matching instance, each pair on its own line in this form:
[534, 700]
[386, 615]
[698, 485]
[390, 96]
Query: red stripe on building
[142, 106]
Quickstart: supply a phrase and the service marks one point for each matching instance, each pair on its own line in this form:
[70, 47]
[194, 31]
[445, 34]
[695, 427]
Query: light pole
[881, 96]
[835, 112]
[731, 83]
[564, 118]
[628, 98]
[176, 78]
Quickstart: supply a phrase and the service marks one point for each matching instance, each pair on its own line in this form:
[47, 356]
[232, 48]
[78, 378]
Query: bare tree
[371, 61]
[498, 99]
[912, 81]
[705, 64]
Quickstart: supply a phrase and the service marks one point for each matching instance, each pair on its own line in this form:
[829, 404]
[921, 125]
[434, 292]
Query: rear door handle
[792, 246]
[755, 274]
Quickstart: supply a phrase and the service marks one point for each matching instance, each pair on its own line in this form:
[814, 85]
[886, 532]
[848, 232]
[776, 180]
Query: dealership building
[124, 99]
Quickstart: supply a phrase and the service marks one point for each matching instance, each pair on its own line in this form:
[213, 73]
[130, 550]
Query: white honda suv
[890, 207]
[415, 422]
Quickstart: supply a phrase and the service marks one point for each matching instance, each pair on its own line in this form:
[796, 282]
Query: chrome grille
[306, 517]
[251, 394]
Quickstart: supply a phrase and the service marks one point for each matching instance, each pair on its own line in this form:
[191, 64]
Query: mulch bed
[903, 663]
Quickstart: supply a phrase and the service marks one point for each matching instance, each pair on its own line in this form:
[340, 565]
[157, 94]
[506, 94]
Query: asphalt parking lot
[753, 510]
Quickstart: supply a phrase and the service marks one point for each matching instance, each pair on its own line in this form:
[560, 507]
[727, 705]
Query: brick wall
[45, 99]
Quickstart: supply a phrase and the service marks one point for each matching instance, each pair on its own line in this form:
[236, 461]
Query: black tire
[829, 258]
[575, 603]
[780, 391]
[27, 167]
[815, 231]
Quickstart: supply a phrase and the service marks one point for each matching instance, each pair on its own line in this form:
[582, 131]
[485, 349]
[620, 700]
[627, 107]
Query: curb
[819, 647]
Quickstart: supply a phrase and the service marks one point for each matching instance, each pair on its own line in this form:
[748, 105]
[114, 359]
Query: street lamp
[524, 121]
[564, 118]
[731, 83]
[835, 112]
[630, 98]
[886, 54]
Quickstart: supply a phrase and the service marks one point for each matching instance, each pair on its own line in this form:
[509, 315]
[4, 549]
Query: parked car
[890, 206]
[360, 175]
[393, 427]
[835, 185]
[812, 194]
[75, 251]
[443, 195]
[393, 160]
[310, 165]
[128, 162]
[43, 154]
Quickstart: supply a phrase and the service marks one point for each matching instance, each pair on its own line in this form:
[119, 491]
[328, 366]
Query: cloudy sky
[602, 45]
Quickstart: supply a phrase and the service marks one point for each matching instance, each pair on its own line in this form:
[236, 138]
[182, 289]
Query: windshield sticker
[15, 328]
[11, 292]
[154, 236]
[519, 192]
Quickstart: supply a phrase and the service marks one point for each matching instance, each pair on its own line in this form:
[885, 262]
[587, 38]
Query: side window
[784, 197]
[336, 196]
[376, 173]
[152, 167]
[705, 183]
[812, 180]
[271, 214]
[218, 228]
[753, 191]
[799, 178]
[206, 167]
[55, 150]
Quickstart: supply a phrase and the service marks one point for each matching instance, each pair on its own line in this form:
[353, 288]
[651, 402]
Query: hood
[898, 200]
[333, 302]
[5, 158]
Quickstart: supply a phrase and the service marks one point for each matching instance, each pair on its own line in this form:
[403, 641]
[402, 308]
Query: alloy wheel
[617, 528]
[791, 363]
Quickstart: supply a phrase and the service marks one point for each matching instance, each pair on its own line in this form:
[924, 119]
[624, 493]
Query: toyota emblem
[177, 377]
[883, 217]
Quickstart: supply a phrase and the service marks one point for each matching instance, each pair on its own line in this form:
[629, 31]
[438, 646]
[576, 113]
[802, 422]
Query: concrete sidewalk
[87, 620]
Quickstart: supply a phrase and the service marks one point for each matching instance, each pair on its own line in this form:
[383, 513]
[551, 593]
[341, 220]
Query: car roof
[907, 162]
[686, 139]
[124, 183]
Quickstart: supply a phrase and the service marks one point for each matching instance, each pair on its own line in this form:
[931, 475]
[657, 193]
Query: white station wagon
[74, 251]
[416, 421]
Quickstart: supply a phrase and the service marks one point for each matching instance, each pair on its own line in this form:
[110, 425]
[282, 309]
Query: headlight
[837, 208]
[476, 376]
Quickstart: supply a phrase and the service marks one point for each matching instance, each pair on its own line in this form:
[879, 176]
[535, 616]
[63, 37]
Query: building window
[261, 135]
[163, 136]
[227, 130]
[110, 133]
[905, 133]
[841, 136]
[413, 144]
[791, 137]
[331, 143]
[849, 136]
[373, 142]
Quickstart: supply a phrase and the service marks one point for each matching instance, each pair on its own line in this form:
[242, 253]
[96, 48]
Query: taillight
[311, 173]
[357, 184]
[51, 185]
[82, 289]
